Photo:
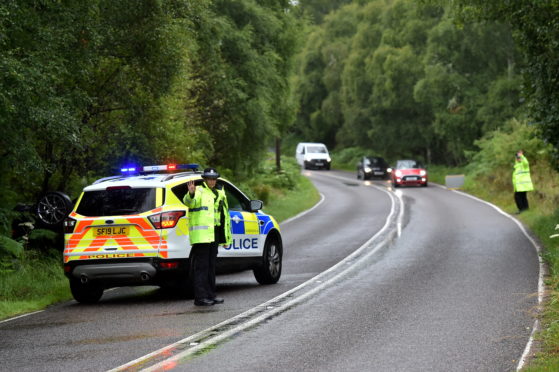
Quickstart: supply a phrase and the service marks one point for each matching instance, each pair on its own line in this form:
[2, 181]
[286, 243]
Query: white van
[313, 155]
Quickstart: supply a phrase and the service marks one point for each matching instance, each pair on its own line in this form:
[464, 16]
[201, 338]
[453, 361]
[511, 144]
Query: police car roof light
[169, 167]
[154, 168]
[191, 166]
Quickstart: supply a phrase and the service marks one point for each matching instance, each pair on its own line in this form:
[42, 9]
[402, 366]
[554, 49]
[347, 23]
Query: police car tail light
[169, 265]
[166, 220]
[69, 224]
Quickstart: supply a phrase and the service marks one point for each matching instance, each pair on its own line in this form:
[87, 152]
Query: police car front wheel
[270, 270]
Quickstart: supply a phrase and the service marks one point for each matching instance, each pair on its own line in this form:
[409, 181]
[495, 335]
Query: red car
[409, 172]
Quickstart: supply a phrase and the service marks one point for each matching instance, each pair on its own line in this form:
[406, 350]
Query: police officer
[209, 226]
[521, 181]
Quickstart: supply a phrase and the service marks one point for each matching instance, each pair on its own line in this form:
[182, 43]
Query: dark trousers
[521, 199]
[203, 257]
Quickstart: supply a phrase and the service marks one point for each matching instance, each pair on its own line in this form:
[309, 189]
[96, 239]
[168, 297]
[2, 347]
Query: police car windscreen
[116, 202]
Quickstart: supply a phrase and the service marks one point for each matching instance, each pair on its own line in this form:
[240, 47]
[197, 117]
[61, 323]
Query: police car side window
[234, 199]
[181, 190]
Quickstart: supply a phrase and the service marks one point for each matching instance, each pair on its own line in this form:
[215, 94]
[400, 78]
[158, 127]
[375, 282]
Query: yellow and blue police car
[132, 229]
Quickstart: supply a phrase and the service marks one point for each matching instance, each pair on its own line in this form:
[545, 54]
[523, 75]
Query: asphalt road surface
[429, 280]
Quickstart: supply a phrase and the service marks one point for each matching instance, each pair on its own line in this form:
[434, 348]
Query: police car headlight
[367, 170]
[328, 159]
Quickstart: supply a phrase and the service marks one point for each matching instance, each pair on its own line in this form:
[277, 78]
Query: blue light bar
[129, 170]
[188, 166]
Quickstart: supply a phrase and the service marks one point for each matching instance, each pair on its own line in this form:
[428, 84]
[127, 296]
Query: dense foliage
[535, 26]
[87, 86]
[402, 80]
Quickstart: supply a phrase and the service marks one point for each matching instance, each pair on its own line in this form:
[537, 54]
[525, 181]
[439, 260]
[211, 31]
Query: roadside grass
[285, 205]
[32, 282]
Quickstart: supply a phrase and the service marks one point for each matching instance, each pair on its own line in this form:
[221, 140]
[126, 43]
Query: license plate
[378, 173]
[111, 230]
[319, 163]
[412, 178]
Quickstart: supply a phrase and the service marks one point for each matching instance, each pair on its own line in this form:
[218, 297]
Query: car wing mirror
[256, 205]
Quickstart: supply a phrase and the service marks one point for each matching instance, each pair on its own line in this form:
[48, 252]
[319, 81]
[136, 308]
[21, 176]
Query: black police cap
[210, 173]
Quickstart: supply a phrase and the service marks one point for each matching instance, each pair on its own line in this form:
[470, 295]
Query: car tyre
[85, 293]
[269, 271]
[53, 208]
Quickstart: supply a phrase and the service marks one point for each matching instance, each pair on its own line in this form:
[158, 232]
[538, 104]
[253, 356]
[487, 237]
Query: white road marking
[542, 271]
[273, 307]
[20, 316]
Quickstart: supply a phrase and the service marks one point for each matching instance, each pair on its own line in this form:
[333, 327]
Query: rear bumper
[115, 274]
[127, 272]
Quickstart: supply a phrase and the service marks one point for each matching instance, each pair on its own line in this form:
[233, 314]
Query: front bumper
[410, 180]
[317, 163]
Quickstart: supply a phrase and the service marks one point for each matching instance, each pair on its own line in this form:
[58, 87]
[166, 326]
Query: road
[445, 283]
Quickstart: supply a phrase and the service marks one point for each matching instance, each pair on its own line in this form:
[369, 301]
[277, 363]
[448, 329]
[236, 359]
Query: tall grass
[31, 282]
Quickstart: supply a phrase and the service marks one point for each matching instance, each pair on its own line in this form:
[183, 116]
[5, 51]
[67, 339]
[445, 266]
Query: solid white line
[20, 316]
[541, 273]
[268, 304]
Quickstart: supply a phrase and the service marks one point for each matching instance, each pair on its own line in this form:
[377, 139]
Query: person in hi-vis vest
[521, 181]
[209, 226]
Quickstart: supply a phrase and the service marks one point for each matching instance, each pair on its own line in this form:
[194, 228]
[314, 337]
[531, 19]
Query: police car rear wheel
[270, 270]
[85, 293]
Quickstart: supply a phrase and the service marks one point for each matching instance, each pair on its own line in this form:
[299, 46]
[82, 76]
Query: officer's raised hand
[191, 188]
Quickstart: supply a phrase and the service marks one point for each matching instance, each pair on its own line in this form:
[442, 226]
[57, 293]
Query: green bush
[44, 240]
[349, 157]
[10, 248]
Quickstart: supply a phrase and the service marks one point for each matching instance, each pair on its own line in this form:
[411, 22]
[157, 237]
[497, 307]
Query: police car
[132, 229]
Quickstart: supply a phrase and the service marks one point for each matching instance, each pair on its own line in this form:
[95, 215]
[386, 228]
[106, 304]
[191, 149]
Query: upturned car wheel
[85, 293]
[269, 271]
[53, 208]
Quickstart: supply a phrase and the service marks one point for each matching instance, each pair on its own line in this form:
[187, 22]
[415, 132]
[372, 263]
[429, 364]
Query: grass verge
[32, 282]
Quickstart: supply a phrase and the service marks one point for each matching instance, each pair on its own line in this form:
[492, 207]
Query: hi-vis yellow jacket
[521, 179]
[204, 212]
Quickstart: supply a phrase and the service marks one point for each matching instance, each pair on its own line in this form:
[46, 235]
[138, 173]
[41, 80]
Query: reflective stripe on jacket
[521, 179]
[204, 213]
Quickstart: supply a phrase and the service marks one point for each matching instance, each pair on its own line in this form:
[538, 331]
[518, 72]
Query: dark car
[409, 173]
[372, 166]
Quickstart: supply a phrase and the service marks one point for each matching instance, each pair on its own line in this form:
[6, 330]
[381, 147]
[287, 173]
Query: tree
[535, 26]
